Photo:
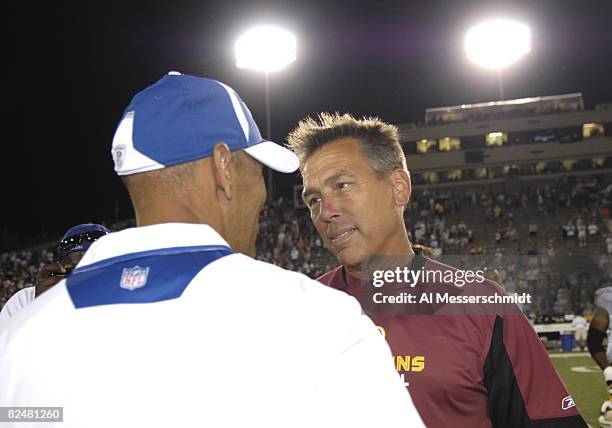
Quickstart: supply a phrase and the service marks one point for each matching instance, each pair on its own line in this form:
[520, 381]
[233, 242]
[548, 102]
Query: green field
[584, 380]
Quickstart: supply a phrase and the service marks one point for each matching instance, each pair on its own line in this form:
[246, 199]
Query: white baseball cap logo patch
[119, 153]
[567, 402]
[133, 278]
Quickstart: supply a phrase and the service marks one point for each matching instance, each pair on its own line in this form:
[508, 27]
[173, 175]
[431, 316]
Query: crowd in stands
[529, 257]
[18, 269]
[287, 238]
[564, 216]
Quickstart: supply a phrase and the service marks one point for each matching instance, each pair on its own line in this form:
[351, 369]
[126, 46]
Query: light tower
[496, 44]
[266, 49]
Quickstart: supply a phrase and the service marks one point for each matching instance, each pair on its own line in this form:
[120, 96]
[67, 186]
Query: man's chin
[350, 260]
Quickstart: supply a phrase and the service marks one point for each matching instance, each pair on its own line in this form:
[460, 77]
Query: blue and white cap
[80, 238]
[180, 119]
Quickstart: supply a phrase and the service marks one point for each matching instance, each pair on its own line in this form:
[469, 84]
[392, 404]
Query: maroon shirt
[478, 370]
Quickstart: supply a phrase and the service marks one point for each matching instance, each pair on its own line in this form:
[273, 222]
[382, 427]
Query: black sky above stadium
[72, 67]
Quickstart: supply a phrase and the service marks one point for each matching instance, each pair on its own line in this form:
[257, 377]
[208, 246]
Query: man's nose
[330, 209]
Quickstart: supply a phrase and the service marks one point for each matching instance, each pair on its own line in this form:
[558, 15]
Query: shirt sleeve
[4, 315]
[360, 387]
[524, 389]
[17, 301]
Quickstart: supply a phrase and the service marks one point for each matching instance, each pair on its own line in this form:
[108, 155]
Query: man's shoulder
[39, 310]
[299, 281]
[299, 301]
[23, 296]
[240, 265]
[269, 278]
[17, 301]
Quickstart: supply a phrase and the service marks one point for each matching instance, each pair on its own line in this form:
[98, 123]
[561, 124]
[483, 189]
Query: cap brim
[274, 156]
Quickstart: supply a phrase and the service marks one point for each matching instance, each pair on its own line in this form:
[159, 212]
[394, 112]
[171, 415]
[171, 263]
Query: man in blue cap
[70, 250]
[174, 323]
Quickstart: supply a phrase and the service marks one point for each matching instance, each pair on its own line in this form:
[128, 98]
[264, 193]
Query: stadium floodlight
[265, 48]
[498, 43]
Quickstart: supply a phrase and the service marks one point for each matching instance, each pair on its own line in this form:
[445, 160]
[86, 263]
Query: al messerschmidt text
[446, 298]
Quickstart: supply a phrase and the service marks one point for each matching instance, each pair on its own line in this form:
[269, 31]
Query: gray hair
[379, 141]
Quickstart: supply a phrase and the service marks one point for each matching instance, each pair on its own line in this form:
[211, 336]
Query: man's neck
[171, 212]
[403, 256]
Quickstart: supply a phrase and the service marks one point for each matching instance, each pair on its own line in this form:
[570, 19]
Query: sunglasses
[60, 274]
[68, 268]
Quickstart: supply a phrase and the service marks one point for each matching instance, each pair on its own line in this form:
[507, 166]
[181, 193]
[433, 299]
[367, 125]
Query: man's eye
[313, 201]
[343, 185]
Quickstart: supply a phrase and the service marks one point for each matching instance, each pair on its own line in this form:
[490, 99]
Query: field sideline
[584, 380]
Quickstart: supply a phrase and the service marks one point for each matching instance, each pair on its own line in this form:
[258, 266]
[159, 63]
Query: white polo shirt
[17, 301]
[163, 326]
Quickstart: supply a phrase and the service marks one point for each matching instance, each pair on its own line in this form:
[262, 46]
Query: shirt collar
[147, 238]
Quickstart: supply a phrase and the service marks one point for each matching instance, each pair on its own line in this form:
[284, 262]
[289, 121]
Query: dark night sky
[71, 67]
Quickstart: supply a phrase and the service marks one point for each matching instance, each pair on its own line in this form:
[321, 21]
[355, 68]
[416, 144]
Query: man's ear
[402, 188]
[222, 161]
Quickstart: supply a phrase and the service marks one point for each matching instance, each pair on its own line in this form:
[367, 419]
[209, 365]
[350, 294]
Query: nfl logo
[133, 278]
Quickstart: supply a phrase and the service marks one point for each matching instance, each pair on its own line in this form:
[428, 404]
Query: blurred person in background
[599, 329]
[580, 326]
[70, 250]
